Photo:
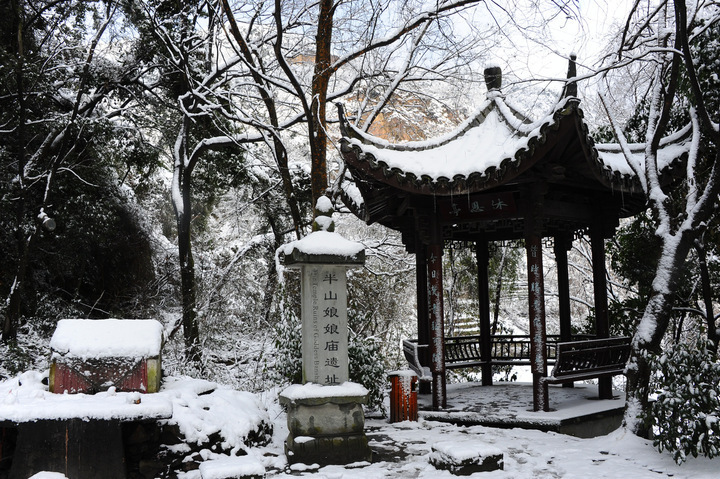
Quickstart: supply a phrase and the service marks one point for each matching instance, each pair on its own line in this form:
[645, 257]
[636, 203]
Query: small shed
[89, 356]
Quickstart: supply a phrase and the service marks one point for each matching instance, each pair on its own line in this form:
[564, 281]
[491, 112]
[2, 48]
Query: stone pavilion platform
[574, 411]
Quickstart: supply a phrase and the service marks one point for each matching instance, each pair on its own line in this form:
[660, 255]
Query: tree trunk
[187, 279]
[12, 312]
[181, 200]
[707, 293]
[14, 301]
[272, 275]
[321, 78]
[647, 340]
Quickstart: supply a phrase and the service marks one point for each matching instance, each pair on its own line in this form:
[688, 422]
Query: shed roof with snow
[107, 338]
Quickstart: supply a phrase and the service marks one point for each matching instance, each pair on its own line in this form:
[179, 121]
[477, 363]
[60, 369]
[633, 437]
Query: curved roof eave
[396, 165]
[673, 150]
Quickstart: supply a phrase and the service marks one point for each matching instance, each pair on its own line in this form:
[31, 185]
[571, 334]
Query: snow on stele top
[105, 338]
[323, 243]
[299, 392]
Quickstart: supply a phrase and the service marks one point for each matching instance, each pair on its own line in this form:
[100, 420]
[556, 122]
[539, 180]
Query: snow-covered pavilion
[500, 176]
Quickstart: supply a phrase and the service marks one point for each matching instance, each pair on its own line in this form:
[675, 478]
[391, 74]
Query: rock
[465, 458]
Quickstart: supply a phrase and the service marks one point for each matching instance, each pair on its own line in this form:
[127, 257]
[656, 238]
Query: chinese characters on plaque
[497, 205]
[536, 297]
[325, 331]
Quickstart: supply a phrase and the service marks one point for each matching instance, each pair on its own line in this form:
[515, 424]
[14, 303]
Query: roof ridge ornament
[493, 77]
[570, 90]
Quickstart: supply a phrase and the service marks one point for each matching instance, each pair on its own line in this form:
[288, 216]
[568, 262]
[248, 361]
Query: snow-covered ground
[401, 450]
[527, 454]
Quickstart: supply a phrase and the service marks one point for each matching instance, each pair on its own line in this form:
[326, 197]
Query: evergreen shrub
[686, 413]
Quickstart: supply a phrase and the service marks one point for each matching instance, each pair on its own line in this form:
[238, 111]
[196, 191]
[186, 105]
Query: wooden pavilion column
[437, 325]
[602, 317]
[423, 320]
[563, 243]
[536, 297]
[482, 257]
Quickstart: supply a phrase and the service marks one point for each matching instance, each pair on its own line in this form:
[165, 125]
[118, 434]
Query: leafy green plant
[367, 367]
[686, 415]
[288, 349]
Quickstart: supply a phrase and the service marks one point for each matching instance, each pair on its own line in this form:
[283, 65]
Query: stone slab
[325, 450]
[466, 458]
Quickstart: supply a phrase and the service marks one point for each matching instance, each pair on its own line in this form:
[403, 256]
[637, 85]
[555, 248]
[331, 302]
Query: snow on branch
[635, 165]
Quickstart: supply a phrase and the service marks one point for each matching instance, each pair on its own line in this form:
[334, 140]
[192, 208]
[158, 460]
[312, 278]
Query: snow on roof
[105, 338]
[671, 148]
[495, 140]
[494, 134]
[489, 144]
[351, 195]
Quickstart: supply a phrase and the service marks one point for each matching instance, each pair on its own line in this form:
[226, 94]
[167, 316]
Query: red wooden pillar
[536, 294]
[602, 318]
[561, 247]
[536, 300]
[437, 326]
[482, 257]
[423, 319]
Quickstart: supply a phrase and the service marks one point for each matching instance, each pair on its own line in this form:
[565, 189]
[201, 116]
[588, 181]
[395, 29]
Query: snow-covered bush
[367, 367]
[685, 416]
[31, 350]
[287, 340]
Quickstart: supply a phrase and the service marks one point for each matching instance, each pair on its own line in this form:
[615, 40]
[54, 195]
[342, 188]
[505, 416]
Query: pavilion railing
[465, 351]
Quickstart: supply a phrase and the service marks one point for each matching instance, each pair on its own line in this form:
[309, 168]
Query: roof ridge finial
[493, 76]
[570, 89]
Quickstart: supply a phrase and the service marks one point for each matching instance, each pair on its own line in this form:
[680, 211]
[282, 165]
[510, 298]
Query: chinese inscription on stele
[325, 330]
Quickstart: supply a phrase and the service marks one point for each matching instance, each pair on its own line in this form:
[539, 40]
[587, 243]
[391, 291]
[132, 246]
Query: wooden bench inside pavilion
[500, 176]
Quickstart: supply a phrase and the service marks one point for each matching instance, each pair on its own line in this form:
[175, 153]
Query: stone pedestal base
[326, 450]
[326, 424]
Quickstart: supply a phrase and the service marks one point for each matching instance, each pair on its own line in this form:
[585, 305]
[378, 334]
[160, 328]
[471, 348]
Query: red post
[403, 396]
[437, 326]
[562, 245]
[483, 257]
[602, 317]
[536, 300]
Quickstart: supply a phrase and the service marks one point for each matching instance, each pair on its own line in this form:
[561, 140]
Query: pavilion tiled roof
[494, 146]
